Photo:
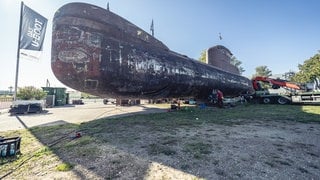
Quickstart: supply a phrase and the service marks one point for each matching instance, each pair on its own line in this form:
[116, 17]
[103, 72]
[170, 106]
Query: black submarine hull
[98, 52]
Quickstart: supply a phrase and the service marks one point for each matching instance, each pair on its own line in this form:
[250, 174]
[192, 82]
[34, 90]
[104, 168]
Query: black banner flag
[32, 33]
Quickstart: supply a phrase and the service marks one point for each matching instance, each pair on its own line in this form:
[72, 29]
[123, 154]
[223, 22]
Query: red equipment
[276, 83]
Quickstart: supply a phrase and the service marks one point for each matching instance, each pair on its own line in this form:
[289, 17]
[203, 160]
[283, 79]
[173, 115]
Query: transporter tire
[283, 101]
[266, 100]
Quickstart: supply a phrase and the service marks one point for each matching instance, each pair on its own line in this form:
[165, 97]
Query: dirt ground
[255, 150]
[140, 149]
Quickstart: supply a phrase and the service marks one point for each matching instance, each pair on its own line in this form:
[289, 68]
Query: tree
[237, 63]
[203, 56]
[87, 96]
[288, 75]
[30, 93]
[309, 70]
[263, 71]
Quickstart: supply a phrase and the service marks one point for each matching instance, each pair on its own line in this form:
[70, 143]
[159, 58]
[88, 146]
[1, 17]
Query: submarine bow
[98, 52]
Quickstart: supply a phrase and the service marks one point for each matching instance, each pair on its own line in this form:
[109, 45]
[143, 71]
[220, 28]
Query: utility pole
[10, 89]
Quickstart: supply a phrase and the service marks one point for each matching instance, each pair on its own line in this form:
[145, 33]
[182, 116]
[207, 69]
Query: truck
[276, 91]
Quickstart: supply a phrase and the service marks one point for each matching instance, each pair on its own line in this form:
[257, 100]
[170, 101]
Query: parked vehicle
[284, 92]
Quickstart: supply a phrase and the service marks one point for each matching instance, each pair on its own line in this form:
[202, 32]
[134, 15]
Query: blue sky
[277, 33]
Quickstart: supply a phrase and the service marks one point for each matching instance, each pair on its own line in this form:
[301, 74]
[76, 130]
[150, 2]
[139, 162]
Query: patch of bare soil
[257, 150]
[242, 150]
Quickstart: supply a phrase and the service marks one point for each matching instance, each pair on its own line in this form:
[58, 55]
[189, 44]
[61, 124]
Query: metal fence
[5, 102]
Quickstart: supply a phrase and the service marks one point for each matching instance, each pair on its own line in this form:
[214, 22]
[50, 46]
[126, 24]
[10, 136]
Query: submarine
[98, 52]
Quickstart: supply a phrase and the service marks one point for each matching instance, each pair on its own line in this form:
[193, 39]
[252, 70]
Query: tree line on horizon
[308, 71]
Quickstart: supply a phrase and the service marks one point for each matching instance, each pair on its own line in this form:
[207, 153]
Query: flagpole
[18, 55]
[152, 28]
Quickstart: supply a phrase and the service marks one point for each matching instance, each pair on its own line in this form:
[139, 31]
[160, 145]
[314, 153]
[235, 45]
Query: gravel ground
[70, 114]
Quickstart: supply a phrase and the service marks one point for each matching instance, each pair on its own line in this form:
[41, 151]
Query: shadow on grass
[127, 147]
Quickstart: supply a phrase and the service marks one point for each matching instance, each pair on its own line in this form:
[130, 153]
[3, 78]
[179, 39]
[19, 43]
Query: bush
[64, 167]
[31, 93]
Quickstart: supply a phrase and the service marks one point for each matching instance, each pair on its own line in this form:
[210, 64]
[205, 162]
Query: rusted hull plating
[98, 52]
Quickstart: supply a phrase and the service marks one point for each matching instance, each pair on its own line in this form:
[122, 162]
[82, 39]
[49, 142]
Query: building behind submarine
[98, 52]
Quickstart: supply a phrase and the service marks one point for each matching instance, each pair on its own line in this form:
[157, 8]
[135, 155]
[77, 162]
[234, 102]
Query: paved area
[71, 114]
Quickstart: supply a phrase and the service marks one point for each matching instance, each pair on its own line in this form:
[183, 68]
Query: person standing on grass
[220, 98]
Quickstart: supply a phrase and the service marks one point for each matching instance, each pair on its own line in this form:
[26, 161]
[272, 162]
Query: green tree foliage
[30, 93]
[237, 63]
[87, 96]
[263, 71]
[288, 75]
[309, 70]
[203, 56]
